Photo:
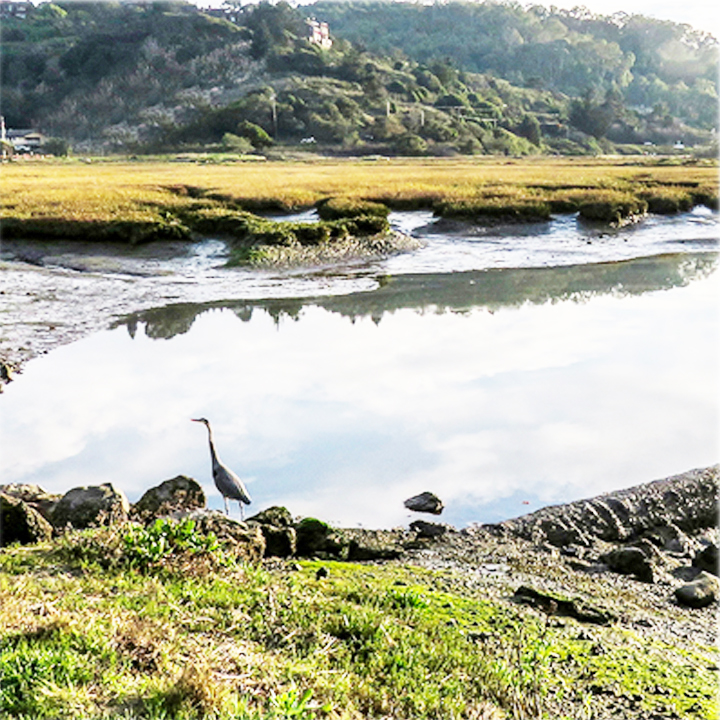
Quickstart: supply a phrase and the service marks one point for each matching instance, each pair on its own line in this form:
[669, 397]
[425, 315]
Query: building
[24, 141]
[317, 33]
[14, 9]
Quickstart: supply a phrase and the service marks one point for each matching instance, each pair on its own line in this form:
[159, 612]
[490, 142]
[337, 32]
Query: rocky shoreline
[640, 562]
[661, 533]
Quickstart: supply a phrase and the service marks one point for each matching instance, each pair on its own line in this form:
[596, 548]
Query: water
[501, 385]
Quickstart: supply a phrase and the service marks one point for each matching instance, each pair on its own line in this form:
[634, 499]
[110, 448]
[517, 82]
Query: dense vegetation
[163, 622]
[467, 78]
[668, 68]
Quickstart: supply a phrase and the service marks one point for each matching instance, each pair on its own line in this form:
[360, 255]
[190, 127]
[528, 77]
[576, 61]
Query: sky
[701, 14]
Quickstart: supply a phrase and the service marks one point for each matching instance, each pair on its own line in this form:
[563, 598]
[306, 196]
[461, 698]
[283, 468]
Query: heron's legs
[242, 510]
[227, 509]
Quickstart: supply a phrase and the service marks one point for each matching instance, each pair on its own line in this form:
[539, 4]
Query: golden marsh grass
[69, 198]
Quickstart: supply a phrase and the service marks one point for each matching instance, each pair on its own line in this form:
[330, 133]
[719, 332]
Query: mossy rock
[21, 523]
[276, 515]
[315, 537]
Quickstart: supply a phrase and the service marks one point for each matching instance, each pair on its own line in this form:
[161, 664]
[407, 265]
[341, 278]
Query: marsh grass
[142, 202]
[85, 638]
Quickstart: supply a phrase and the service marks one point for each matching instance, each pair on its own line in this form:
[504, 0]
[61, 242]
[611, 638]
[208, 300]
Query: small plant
[291, 704]
[151, 546]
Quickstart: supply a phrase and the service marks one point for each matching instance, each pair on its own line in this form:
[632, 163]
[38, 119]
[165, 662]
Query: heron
[226, 481]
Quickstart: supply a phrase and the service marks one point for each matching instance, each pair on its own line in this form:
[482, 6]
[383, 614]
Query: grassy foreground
[159, 623]
[144, 201]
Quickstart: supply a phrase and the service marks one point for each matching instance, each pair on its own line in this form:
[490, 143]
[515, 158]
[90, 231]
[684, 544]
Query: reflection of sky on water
[344, 420]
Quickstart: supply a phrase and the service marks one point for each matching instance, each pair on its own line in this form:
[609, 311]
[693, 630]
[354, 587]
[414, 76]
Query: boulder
[179, 493]
[276, 515]
[34, 495]
[20, 522]
[315, 537]
[244, 541]
[699, 593]
[670, 538]
[425, 502]
[707, 559]
[276, 525]
[279, 541]
[425, 529]
[689, 502]
[630, 561]
[88, 506]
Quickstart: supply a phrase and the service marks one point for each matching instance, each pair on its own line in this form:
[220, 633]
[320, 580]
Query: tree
[56, 146]
[592, 116]
[235, 143]
[529, 128]
[255, 134]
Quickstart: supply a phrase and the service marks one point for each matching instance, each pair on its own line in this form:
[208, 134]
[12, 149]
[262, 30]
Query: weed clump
[165, 546]
[613, 207]
[667, 200]
[500, 209]
[338, 208]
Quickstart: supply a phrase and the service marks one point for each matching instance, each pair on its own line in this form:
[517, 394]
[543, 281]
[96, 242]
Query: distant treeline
[399, 79]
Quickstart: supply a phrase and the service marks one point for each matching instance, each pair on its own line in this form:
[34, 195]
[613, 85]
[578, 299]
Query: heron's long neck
[213, 454]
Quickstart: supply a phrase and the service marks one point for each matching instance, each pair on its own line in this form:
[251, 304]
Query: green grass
[106, 623]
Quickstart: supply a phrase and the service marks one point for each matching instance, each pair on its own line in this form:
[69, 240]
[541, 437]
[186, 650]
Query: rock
[367, 549]
[670, 538]
[707, 559]
[688, 502]
[425, 502]
[699, 593]
[425, 529]
[179, 493]
[277, 515]
[244, 541]
[88, 506]
[34, 495]
[630, 561]
[316, 537]
[560, 534]
[276, 525]
[6, 373]
[553, 604]
[279, 541]
[20, 522]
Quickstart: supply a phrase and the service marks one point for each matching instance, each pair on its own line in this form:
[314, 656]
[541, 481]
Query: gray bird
[226, 481]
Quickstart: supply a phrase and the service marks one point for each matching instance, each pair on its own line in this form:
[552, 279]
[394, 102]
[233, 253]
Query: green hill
[398, 79]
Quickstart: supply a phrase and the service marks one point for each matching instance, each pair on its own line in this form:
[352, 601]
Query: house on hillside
[317, 33]
[14, 9]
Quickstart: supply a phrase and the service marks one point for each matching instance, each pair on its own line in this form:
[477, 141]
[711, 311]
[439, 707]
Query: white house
[318, 33]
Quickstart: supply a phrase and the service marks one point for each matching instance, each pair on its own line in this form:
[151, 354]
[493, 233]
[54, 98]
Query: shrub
[411, 144]
[56, 146]
[235, 143]
[255, 134]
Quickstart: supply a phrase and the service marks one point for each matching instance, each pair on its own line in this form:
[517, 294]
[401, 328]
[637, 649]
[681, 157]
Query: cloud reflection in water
[544, 388]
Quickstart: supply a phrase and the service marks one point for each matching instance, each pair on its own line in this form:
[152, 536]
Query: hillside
[397, 79]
